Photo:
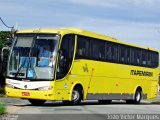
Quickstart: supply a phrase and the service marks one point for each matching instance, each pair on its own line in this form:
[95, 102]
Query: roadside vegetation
[2, 109]
[2, 92]
[5, 41]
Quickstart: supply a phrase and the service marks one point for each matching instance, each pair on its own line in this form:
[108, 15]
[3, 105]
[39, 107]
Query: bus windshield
[33, 56]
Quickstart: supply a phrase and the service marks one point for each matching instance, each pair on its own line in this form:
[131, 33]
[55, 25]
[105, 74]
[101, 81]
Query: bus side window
[154, 59]
[82, 47]
[121, 53]
[102, 50]
[144, 57]
[79, 52]
[111, 52]
[124, 54]
[108, 52]
[136, 56]
[149, 59]
[97, 49]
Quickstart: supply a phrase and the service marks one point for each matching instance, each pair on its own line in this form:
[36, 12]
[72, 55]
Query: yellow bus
[72, 65]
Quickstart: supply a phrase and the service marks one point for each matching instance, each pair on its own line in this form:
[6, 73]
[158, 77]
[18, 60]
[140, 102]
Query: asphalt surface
[19, 109]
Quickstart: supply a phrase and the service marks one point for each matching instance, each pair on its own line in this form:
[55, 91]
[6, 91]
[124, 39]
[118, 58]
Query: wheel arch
[77, 85]
[138, 88]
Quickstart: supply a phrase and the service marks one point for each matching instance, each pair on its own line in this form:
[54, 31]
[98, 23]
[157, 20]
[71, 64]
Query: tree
[5, 40]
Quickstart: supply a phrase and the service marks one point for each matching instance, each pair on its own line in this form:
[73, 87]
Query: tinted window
[154, 59]
[83, 48]
[97, 49]
[111, 52]
[145, 59]
[135, 56]
[124, 54]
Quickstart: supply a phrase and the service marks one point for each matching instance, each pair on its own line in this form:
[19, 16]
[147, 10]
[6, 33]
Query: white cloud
[95, 2]
[145, 2]
[126, 20]
[116, 3]
[143, 34]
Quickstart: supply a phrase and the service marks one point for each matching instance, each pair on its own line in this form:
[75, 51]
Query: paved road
[23, 110]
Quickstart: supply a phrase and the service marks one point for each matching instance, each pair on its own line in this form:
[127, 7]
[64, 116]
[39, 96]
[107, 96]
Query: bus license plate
[25, 94]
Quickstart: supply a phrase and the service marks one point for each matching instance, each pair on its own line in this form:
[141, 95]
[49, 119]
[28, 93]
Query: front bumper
[30, 94]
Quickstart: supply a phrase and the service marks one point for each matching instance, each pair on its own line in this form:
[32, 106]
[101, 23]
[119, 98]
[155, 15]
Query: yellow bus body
[96, 77]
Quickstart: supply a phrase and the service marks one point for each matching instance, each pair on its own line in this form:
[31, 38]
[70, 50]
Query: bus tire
[104, 101]
[137, 98]
[76, 96]
[36, 102]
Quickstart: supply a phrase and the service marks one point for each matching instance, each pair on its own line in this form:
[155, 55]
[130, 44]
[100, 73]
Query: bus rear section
[111, 70]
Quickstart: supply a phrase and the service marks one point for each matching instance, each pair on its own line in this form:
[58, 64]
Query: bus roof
[80, 32]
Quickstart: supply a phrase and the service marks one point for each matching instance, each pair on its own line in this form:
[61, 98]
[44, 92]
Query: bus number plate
[25, 94]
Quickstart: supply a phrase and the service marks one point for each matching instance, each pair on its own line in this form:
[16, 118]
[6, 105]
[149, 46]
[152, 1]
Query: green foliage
[2, 91]
[2, 108]
[5, 40]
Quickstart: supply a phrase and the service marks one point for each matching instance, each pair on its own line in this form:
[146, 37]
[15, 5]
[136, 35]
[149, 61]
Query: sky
[132, 21]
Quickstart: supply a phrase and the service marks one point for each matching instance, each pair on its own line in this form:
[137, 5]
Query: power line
[5, 24]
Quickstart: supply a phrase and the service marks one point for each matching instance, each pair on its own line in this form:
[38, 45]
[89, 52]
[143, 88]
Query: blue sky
[132, 21]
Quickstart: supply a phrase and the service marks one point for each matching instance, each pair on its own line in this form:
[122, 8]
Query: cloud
[104, 3]
[133, 21]
[116, 3]
[146, 2]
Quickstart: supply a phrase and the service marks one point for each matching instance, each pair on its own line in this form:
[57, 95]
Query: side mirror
[2, 53]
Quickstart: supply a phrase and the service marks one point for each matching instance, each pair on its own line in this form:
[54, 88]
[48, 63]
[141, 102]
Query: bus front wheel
[76, 97]
[36, 102]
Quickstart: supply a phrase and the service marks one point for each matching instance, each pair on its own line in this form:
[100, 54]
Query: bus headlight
[46, 88]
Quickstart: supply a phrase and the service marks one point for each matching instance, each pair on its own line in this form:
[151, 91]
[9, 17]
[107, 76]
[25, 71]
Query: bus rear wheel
[137, 98]
[36, 102]
[104, 101]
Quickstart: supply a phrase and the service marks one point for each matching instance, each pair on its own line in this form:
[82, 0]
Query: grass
[2, 106]
[2, 109]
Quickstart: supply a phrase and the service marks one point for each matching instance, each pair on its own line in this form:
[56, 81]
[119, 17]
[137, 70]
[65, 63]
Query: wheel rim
[138, 96]
[75, 95]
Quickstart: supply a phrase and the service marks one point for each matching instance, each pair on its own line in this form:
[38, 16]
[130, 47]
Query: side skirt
[112, 96]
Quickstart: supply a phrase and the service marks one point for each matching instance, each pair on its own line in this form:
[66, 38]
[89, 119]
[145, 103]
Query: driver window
[65, 55]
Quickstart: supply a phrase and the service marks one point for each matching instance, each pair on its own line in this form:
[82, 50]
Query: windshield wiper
[29, 57]
[20, 67]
